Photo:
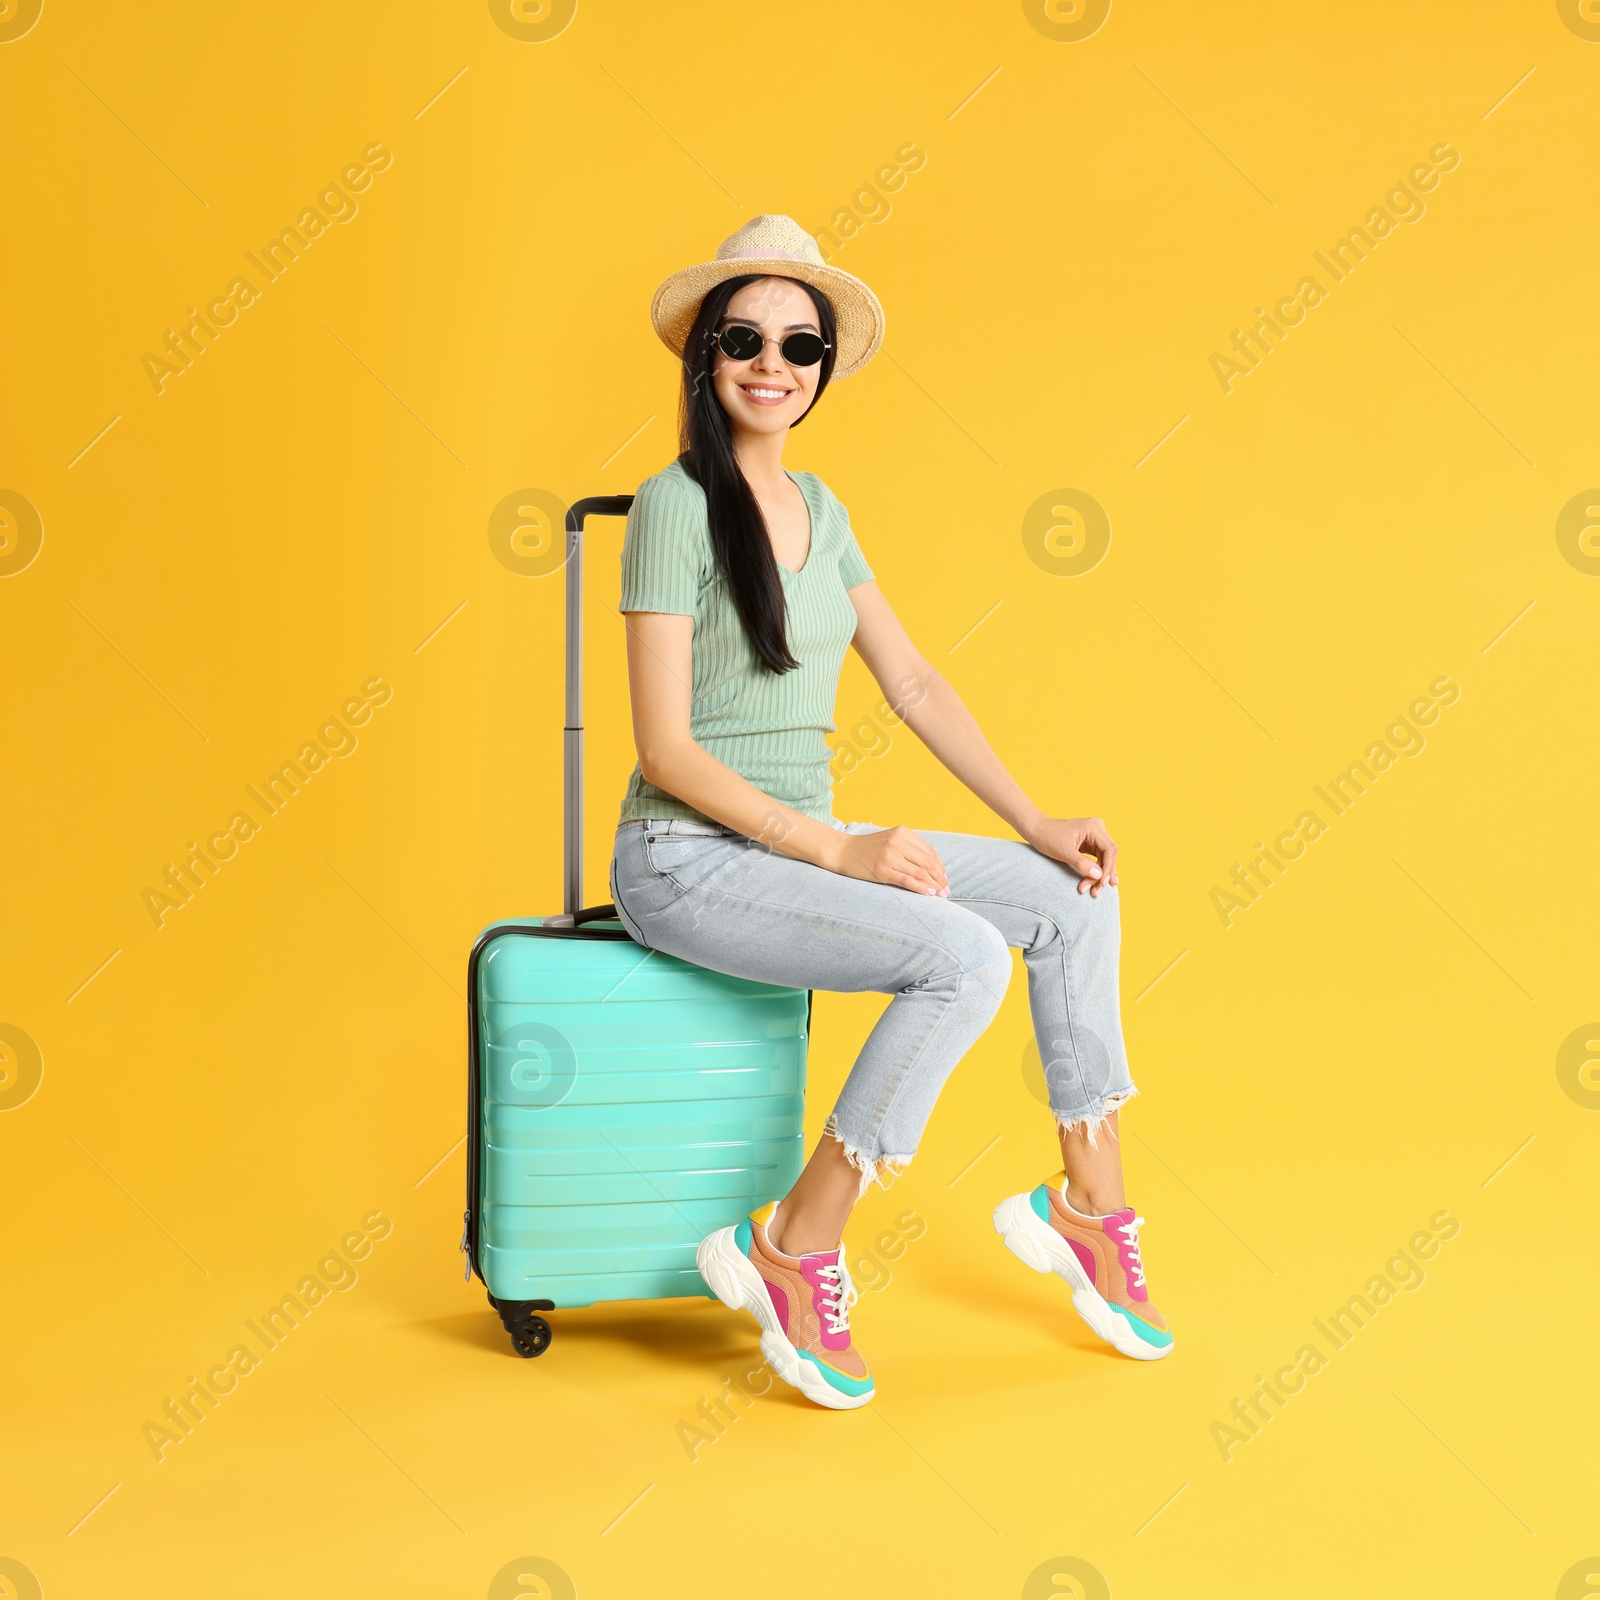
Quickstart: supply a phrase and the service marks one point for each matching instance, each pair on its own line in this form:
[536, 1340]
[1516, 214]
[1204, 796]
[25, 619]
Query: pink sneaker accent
[1085, 1256]
[825, 1295]
[1116, 1226]
[780, 1301]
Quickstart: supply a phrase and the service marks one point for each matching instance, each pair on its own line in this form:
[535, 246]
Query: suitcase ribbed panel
[629, 1104]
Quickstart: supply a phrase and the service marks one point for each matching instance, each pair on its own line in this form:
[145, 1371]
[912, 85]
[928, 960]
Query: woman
[742, 586]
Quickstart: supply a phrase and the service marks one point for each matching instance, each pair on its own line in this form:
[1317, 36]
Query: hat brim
[857, 314]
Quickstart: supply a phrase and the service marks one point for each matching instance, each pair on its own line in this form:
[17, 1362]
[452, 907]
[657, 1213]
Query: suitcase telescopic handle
[607, 505]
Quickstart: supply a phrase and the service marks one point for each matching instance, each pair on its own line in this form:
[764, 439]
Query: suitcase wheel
[530, 1334]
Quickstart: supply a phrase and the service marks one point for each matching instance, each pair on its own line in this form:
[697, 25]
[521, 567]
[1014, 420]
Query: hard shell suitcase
[621, 1104]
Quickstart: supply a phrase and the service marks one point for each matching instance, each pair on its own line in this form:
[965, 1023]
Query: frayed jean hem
[1091, 1121]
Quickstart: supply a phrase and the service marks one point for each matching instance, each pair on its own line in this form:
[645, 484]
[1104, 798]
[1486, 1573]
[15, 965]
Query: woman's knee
[1077, 915]
[985, 961]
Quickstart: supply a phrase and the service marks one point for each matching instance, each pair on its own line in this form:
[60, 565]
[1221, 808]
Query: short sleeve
[666, 549]
[853, 568]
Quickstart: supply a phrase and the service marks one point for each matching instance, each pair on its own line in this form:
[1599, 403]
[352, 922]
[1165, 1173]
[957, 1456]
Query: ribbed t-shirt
[768, 727]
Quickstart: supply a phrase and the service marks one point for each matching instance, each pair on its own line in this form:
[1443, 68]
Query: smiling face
[765, 394]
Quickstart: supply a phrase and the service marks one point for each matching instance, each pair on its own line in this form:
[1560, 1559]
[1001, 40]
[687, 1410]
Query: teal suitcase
[621, 1104]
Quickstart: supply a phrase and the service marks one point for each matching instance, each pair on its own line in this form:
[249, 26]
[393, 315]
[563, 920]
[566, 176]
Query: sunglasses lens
[740, 343]
[803, 349]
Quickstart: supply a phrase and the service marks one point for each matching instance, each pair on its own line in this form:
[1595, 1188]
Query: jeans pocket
[683, 859]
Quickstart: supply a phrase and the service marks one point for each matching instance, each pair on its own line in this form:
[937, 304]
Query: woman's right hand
[894, 855]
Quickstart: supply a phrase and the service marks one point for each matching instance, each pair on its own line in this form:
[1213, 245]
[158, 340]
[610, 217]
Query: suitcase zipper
[466, 1223]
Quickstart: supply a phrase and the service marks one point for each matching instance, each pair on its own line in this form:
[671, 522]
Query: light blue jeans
[712, 896]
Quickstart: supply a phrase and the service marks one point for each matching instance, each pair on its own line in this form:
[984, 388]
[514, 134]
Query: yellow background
[304, 507]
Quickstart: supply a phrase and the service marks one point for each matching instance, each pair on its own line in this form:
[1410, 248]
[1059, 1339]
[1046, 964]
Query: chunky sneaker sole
[1036, 1244]
[736, 1283]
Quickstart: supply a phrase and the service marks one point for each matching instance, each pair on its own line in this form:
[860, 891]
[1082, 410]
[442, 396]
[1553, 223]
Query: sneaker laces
[1129, 1240]
[836, 1295]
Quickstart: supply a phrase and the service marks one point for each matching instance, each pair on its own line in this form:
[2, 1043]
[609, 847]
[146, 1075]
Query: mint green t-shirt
[769, 728]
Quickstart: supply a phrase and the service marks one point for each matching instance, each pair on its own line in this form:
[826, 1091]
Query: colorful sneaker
[802, 1303]
[1099, 1258]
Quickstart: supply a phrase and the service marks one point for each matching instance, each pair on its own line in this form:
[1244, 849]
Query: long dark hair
[739, 538]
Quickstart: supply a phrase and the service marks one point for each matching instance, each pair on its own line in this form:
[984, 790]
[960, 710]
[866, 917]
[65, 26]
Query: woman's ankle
[1095, 1201]
[811, 1217]
[796, 1236]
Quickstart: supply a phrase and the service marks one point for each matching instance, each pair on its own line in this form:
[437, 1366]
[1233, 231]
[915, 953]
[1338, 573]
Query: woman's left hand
[1085, 846]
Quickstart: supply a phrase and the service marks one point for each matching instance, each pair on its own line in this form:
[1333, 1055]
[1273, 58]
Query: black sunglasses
[738, 342]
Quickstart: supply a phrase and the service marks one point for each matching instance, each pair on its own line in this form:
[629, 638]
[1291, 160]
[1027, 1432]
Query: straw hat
[777, 246]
